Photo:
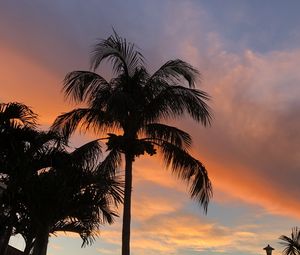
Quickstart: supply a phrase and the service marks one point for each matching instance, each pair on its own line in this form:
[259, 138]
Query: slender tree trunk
[127, 206]
[41, 241]
[4, 239]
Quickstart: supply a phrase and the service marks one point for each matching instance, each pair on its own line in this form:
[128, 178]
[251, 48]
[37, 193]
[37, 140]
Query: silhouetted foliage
[135, 103]
[17, 121]
[50, 189]
[291, 244]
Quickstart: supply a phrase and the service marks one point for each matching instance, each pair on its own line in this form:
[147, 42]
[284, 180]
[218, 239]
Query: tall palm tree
[129, 110]
[291, 244]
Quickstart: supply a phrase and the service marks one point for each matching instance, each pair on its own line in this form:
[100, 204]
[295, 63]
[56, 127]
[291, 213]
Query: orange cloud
[144, 208]
[252, 149]
[177, 232]
[107, 251]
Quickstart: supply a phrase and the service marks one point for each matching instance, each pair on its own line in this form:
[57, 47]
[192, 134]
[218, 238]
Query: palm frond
[122, 54]
[178, 70]
[189, 169]
[100, 97]
[43, 140]
[96, 200]
[291, 244]
[67, 123]
[84, 119]
[87, 155]
[106, 214]
[161, 133]
[174, 101]
[88, 238]
[113, 187]
[17, 114]
[81, 85]
[43, 148]
[110, 164]
[85, 229]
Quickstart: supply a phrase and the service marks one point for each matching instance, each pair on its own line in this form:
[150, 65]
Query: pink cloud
[252, 148]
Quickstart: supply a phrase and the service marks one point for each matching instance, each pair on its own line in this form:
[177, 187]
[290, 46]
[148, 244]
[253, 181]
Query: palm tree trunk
[127, 206]
[41, 241]
[4, 239]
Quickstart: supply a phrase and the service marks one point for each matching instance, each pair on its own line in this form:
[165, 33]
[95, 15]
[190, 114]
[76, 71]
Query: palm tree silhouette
[71, 195]
[50, 189]
[16, 122]
[62, 191]
[129, 111]
[291, 244]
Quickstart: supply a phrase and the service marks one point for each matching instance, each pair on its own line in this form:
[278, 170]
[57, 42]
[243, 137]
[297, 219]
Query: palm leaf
[87, 155]
[189, 169]
[178, 70]
[291, 244]
[83, 119]
[67, 123]
[111, 186]
[161, 133]
[82, 85]
[84, 229]
[110, 164]
[174, 101]
[122, 54]
[17, 114]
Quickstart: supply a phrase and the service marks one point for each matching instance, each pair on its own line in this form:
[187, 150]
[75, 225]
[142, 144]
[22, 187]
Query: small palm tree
[16, 122]
[71, 196]
[61, 191]
[48, 188]
[291, 244]
[135, 104]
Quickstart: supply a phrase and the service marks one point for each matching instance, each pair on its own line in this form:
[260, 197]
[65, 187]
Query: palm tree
[71, 196]
[135, 104]
[48, 188]
[62, 191]
[291, 244]
[16, 121]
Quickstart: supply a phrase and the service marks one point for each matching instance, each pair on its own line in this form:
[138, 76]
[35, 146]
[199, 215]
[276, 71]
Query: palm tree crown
[135, 104]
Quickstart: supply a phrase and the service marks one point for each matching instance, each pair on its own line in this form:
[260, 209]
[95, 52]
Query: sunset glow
[248, 53]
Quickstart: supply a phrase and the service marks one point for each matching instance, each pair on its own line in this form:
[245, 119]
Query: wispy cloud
[181, 232]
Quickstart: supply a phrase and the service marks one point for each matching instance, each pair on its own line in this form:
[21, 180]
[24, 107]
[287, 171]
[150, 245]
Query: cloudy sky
[248, 53]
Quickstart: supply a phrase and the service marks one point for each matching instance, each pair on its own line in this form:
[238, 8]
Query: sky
[248, 53]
